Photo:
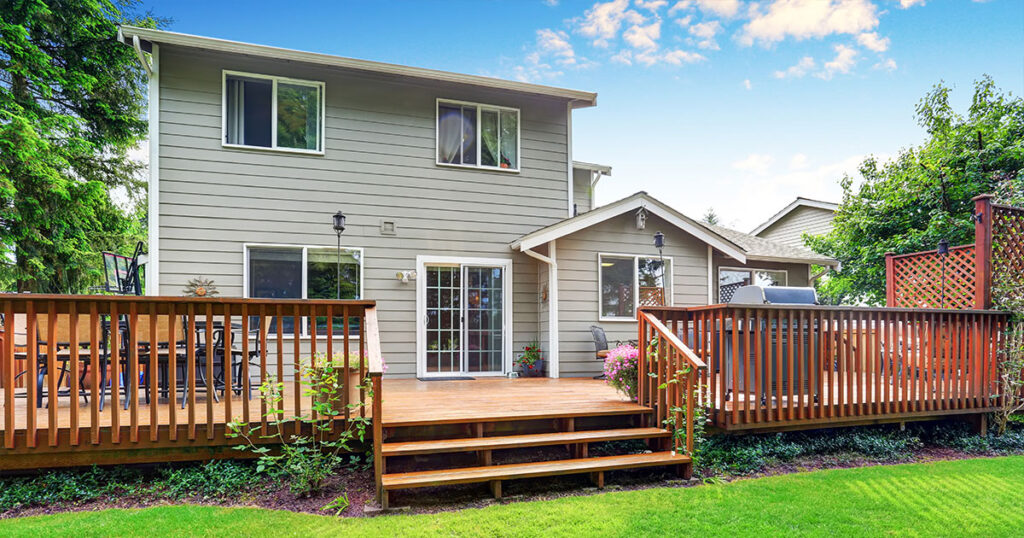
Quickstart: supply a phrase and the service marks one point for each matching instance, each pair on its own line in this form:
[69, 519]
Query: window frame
[479, 107]
[718, 282]
[669, 285]
[246, 247]
[275, 79]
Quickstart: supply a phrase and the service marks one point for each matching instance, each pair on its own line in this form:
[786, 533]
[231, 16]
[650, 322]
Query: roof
[761, 249]
[799, 202]
[604, 169]
[579, 99]
[630, 203]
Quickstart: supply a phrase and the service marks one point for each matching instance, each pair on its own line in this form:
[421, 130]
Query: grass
[981, 497]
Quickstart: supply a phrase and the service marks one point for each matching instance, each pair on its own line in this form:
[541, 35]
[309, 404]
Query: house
[803, 215]
[467, 219]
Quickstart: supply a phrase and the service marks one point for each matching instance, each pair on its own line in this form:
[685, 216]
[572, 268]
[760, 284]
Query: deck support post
[383, 499]
[980, 423]
[685, 471]
[598, 479]
[496, 488]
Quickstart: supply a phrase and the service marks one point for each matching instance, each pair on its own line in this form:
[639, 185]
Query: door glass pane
[298, 116]
[484, 327]
[617, 287]
[276, 273]
[444, 319]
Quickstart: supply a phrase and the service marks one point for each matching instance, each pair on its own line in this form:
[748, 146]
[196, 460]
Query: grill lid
[774, 295]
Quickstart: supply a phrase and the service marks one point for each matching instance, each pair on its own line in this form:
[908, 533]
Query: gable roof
[799, 202]
[625, 205]
[579, 99]
[761, 249]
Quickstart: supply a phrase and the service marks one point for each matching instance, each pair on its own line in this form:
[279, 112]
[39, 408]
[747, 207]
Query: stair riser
[514, 427]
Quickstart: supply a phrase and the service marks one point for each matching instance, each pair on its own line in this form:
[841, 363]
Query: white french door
[464, 310]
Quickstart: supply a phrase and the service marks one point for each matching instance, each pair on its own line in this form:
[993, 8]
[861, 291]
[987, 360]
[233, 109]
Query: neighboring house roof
[799, 202]
[579, 99]
[759, 248]
[625, 205]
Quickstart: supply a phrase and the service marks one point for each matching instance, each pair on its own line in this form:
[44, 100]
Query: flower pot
[538, 369]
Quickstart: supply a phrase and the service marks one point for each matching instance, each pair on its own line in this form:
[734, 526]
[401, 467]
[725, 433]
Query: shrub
[621, 369]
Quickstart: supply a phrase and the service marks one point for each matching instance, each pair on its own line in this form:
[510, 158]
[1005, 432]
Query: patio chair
[164, 344]
[62, 350]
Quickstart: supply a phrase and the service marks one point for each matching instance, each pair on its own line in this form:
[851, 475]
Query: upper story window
[629, 282]
[262, 111]
[731, 279]
[476, 135]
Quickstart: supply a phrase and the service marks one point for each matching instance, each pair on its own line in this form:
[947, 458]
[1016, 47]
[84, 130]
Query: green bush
[218, 478]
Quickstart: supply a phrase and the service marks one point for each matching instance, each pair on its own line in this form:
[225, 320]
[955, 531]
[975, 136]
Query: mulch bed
[358, 484]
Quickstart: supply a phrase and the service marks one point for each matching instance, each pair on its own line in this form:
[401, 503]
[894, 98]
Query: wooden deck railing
[776, 366]
[106, 373]
[669, 374]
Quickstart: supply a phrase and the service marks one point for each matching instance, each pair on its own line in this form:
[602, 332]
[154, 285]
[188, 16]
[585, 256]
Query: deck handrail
[674, 340]
[375, 370]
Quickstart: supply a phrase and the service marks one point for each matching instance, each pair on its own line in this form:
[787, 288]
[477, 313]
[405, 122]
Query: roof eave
[576, 98]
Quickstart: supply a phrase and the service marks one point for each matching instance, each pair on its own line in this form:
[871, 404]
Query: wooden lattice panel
[652, 296]
[1008, 248]
[918, 279]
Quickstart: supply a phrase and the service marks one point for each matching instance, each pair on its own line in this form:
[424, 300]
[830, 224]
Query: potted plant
[530, 363]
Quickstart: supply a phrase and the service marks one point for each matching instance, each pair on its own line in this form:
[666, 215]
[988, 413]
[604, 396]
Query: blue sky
[703, 103]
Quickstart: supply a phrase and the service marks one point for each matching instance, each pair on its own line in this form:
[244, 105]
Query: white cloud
[551, 52]
[803, 19]
[845, 58]
[551, 3]
[684, 22]
[886, 65]
[755, 163]
[911, 3]
[872, 41]
[651, 5]
[798, 70]
[643, 37]
[680, 57]
[681, 5]
[722, 8]
[604, 19]
[799, 161]
[747, 85]
[556, 43]
[705, 32]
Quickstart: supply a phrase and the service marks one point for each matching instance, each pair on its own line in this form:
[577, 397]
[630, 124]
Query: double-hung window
[629, 282]
[731, 279]
[262, 111]
[296, 272]
[478, 136]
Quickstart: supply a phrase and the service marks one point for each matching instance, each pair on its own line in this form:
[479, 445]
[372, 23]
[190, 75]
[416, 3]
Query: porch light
[943, 251]
[339, 227]
[659, 241]
[943, 247]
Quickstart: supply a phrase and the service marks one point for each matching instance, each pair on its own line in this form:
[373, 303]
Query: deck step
[519, 441]
[511, 414]
[470, 475]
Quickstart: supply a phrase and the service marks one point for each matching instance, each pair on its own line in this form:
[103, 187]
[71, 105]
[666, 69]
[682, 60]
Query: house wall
[379, 164]
[790, 228]
[581, 189]
[578, 305]
[798, 274]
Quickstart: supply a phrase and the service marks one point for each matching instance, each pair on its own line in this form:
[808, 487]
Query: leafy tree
[710, 217]
[924, 194]
[71, 108]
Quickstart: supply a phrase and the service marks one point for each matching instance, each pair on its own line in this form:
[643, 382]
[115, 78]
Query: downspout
[553, 358]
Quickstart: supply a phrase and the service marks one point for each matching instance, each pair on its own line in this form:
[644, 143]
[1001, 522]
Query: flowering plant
[621, 369]
[531, 354]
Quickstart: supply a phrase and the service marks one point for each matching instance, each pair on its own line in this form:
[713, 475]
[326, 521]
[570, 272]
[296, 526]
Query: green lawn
[983, 497]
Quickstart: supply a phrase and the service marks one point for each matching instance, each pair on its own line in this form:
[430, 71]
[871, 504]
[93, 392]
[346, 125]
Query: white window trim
[321, 87]
[305, 250]
[718, 283]
[669, 288]
[422, 262]
[437, 135]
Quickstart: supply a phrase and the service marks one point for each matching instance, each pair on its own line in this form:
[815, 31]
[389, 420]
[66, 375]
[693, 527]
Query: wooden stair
[575, 431]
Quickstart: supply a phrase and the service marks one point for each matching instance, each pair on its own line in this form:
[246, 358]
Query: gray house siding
[789, 229]
[581, 190]
[578, 282]
[379, 164]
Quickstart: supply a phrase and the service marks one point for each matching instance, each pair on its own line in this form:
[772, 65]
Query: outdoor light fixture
[339, 227]
[659, 243]
[943, 252]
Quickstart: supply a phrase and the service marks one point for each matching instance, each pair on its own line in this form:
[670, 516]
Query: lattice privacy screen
[1008, 248]
[919, 282]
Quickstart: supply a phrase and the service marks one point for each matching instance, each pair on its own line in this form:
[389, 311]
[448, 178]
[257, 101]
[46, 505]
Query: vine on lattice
[921, 283]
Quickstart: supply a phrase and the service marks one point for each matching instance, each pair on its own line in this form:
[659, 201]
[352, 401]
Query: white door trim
[421, 307]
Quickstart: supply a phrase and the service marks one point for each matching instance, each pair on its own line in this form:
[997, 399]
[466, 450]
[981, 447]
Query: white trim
[669, 285]
[480, 107]
[751, 271]
[799, 202]
[711, 276]
[305, 277]
[603, 169]
[153, 265]
[580, 98]
[554, 338]
[421, 309]
[631, 203]
[274, 80]
[568, 154]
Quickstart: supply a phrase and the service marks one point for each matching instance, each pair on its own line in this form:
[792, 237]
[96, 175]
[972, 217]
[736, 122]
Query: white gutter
[550, 260]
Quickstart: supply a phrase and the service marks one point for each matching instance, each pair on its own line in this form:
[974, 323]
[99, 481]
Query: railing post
[983, 250]
[890, 280]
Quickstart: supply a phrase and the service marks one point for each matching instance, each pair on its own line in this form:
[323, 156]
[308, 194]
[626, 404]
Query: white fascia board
[578, 98]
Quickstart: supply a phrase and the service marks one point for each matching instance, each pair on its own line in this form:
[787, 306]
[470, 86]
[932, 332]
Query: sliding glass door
[464, 319]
